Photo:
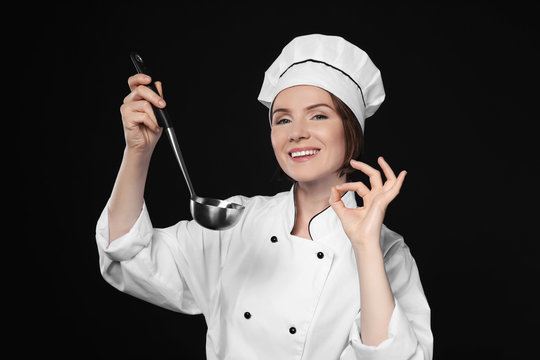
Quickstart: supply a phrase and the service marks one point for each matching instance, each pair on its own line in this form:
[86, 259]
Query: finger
[159, 87]
[359, 187]
[388, 172]
[396, 188]
[141, 118]
[373, 174]
[142, 92]
[138, 79]
[335, 201]
[400, 180]
[142, 106]
[135, 118]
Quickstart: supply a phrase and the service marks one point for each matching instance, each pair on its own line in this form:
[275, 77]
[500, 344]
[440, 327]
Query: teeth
[304, 153]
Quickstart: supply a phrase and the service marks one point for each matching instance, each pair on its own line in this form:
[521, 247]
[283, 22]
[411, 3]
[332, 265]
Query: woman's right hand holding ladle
[141, 129]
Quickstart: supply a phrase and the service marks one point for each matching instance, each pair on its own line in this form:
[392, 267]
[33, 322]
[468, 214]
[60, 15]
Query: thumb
[335, 201]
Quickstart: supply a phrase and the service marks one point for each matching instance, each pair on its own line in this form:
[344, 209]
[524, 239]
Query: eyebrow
[307, 108]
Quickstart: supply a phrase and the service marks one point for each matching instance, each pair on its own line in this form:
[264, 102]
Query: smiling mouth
[303, 153]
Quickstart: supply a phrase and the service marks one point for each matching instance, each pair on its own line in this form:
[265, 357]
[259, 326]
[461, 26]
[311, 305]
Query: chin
[306, 176]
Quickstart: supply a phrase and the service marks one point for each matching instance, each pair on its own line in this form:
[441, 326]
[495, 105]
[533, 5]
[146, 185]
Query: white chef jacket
[267, 294]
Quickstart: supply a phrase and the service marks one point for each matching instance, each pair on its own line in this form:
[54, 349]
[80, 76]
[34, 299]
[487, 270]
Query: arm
[126, 200]
[394, 319]
[141, 133]
[409, 334]
[363, 227]
[376, 298]
[176, 267]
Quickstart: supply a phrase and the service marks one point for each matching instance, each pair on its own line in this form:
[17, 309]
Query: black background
[461, 90]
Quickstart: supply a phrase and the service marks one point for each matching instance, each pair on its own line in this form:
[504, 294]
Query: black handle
[161, 114]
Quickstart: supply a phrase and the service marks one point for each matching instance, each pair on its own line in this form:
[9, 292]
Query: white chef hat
[331, 63]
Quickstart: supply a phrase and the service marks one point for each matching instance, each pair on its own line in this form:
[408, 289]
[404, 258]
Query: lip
[303, 158]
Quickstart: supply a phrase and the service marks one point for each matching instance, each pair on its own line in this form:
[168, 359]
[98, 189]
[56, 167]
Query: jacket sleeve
[176, 267]
[409, 330]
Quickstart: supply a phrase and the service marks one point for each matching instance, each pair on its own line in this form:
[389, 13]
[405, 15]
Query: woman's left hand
[363, 224]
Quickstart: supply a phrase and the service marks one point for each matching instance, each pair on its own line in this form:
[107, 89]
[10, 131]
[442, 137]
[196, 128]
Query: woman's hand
[363, 225]
[141, 129]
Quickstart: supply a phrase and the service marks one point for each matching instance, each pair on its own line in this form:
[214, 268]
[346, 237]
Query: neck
[312, 197]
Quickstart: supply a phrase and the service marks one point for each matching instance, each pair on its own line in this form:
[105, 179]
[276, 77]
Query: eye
[282, 121]
[320, 117]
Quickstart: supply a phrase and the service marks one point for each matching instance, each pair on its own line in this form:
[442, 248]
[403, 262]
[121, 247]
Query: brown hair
[354, 138]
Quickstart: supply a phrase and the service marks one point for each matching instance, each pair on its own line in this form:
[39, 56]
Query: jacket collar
[323, 224]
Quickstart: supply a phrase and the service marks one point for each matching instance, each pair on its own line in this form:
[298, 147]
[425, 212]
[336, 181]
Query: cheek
[336, 140]
[339, 136]
[334, 137]
[342, 142]
[273, 140]
[276, 138]
[276, 144]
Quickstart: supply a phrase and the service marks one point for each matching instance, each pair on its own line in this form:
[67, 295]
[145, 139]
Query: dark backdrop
[461, 90]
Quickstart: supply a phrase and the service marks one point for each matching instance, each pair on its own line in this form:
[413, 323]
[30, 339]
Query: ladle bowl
[211, 213]
[215, 214]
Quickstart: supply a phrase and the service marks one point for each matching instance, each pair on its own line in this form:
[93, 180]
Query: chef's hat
[331, 63]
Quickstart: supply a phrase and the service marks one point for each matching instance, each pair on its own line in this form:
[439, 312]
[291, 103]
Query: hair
[354, 138]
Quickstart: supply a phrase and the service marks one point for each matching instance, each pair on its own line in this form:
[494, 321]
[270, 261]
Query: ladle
[211, 213]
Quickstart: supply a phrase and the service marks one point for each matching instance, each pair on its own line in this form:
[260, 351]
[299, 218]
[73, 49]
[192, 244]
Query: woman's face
[307, 134]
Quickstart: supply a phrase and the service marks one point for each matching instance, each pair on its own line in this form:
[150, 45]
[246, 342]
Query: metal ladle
[211, 213]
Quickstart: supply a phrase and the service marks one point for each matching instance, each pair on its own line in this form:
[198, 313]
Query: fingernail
[161, 103]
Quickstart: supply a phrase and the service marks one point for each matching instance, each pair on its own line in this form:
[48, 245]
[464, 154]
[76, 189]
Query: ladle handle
[161, 114]
[164, 121]
[178, 154]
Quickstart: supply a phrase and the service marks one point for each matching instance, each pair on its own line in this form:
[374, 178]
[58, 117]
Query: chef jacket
[264, 293]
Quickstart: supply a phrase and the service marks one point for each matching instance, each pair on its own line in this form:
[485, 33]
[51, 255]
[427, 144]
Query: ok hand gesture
[363, 225]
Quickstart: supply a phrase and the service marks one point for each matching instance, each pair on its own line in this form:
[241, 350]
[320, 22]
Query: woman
[306, 273]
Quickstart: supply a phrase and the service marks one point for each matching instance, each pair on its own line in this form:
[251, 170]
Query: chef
[305, 274]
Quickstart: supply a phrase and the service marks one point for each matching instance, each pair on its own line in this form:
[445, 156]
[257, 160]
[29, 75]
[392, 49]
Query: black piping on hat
[333, 67]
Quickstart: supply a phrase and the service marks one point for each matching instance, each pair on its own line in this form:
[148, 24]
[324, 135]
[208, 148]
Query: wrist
[370, 248]
[137, 155]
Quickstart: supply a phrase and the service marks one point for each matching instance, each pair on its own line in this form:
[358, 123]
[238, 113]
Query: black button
[273, 239]
[247, 315]
[292, 330]
[320, 255]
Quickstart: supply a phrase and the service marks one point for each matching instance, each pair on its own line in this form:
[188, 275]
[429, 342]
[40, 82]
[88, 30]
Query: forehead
[301, 96]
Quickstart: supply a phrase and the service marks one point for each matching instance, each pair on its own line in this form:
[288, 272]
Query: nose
[298, 131]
